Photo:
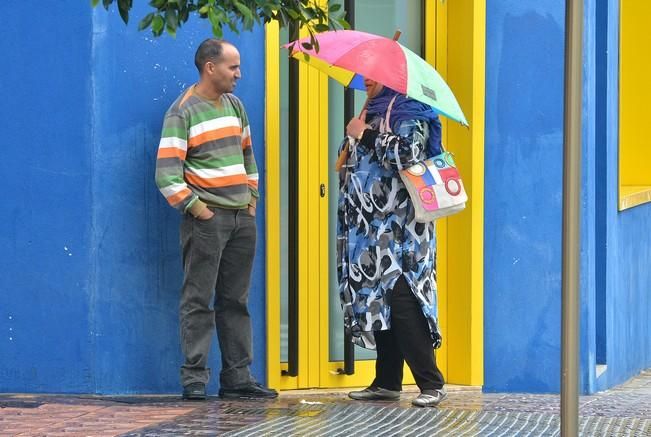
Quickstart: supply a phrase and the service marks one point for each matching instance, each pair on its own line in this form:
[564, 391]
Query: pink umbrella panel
[346, 55]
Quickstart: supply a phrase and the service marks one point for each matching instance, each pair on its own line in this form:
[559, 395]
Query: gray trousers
[217, 263]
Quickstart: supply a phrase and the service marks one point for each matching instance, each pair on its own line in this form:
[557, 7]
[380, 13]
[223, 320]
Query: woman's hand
[356, 126]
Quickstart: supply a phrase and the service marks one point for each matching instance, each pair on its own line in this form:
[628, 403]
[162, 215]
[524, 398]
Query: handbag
[434, 185]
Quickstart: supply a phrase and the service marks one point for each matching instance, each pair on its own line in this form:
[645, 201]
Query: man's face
[224, 74]
[373, 88]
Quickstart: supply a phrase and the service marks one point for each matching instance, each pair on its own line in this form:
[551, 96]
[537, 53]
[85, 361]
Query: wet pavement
[622, 411]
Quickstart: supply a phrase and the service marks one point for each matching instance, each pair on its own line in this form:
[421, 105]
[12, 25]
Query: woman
[386, 260]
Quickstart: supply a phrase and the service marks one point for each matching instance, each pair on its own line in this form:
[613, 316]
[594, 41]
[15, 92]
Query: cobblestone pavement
[622, 411]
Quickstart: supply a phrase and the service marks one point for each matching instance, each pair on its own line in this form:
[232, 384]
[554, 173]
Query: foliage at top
[170, 15]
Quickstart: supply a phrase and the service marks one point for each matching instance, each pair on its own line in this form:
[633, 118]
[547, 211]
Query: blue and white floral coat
[377, 237]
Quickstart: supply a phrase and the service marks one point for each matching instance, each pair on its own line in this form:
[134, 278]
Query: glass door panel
[382, 17]
[284, 199]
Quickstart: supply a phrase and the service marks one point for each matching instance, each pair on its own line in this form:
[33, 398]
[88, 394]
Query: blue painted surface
[91, 267]
[628, 243]
[602, 127]
[590, 237]
[46, 167]
[524, 152]
[523, 155]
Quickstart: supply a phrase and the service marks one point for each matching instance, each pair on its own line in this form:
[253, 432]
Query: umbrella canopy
[348, 55]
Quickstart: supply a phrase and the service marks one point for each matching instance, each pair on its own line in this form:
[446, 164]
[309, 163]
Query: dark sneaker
[195, 391]
[251, 391]
[430, 398]
[374, 394]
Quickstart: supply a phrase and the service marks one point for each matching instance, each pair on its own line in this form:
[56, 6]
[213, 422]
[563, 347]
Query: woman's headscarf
[405, 108]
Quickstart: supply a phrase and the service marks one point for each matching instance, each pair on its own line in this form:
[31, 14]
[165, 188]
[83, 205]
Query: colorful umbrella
[349, 55]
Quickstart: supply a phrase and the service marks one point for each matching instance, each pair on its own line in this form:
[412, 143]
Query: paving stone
[622, 411]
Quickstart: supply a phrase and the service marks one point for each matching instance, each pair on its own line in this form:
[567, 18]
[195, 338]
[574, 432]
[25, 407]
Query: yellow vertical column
[466, 72]
[272, 219]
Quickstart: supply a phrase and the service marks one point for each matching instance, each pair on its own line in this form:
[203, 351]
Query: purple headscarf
[405, 108]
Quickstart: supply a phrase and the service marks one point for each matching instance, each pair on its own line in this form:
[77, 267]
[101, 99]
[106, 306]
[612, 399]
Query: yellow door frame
[460, 26]
[466, 61]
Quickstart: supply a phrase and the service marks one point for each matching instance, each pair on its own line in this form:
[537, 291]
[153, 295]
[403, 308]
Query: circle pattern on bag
[439, 163]
[453, 186]
[427, 195]
[417, 169]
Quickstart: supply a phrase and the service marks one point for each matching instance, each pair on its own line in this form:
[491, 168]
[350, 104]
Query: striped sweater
[205, 156]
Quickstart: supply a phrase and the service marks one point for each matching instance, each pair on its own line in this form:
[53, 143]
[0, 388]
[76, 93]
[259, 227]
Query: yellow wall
[635, 98]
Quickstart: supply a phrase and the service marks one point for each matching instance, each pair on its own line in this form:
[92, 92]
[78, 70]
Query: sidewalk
[622, 411]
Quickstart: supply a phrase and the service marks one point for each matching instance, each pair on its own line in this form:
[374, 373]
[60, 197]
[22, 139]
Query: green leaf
[247, 23]
[204, 10]
[217, 31]
[106, 3]
[307, 45]
[94, 3]
[320, 27]
[214, 18]
[314, 41]
[158, 4]
[171, 20]
[309, 13]
[145, 22]
[184, 14]
[245, 11]
[123, 8]
[343, 23]
[157, 25]
[334, 7]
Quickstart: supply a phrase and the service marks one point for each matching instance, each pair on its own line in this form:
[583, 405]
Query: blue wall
[524, 153]
[523, 173]
[627, 308]
[91, 269]
[45, 324]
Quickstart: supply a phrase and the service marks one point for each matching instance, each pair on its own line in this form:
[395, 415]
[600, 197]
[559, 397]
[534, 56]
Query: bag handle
[387, 117]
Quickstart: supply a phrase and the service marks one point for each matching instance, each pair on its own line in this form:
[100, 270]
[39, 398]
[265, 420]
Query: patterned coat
[377, 236]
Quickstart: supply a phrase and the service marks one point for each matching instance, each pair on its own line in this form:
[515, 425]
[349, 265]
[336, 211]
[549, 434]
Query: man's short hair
[209, 50]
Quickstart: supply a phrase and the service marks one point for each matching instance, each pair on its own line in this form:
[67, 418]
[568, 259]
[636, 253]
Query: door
[304, 124]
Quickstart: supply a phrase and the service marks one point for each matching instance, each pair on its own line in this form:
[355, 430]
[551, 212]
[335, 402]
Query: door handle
[323, 190]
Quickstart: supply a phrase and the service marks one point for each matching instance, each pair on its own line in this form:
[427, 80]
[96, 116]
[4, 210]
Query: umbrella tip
[396, 35]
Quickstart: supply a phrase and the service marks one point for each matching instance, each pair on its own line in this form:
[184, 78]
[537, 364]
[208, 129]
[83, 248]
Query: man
[206, 169]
